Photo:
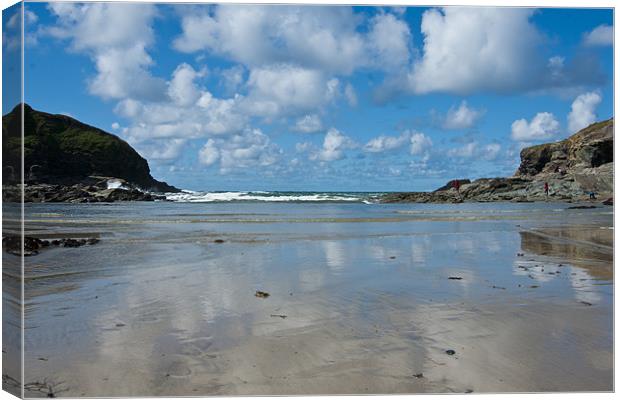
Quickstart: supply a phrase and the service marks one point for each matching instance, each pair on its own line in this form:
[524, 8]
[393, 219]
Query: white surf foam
[207, 197]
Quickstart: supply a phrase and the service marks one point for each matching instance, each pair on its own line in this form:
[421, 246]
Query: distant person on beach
[546, 189]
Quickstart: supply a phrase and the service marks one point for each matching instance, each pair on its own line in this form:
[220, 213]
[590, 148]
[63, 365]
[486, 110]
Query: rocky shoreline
[94, 189]
[574, 169]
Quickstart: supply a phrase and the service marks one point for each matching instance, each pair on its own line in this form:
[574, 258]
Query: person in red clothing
[456, 185]
[546, 189]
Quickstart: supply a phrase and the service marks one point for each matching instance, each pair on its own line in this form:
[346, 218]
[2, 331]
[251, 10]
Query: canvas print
[243, 199]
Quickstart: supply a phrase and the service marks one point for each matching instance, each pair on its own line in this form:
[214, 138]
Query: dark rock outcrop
[32, 246]
[573, 168]
[591, 147]
[60, 150]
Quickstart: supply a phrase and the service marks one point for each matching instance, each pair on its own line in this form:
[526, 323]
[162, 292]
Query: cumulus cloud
[333, 40]
[191, 112]
[602, 35]
[181, 87]
[386, 143]
[333, 147]
[308, 124]
[233, 78]
[476, 49]
[209, 154]
[251, 148]
[161, 150]
[470, 49]
[466, 151]
[287, 89]
[462, 117]
[118, 50]
[583, 111]
[543, 126]
[351, 95]
[488, 152]
[491, 151]
[311, 37]
[389, 40]
[303, 147]
[420, 144]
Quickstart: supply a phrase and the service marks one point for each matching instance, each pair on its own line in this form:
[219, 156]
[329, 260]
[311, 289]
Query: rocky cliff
[572, 168]
[60, 150]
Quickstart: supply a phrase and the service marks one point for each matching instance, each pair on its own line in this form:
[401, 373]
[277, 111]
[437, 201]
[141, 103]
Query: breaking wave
[188, 196]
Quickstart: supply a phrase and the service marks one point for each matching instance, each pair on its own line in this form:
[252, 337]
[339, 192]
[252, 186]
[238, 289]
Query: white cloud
[543, 126]
[181, 88]
[386, 143]
[332, 40]
[487, 152]
[128, 108]
[251, 148]
[192, 112]
[420, 144]
[220, 116]
[286, 89]
[115, 125]
[349, 92]
[602, 35]
[303, 147]
[308, 124]
[209, 154]
[583, 111]
[556, 66]
[333, 147]
[491, 151]
[389, 40]
[209, 116]
[473, 48]
[311, 37]
[466, 151]
[233, 78]
[161, 150]
[118, 49]
[462, 117]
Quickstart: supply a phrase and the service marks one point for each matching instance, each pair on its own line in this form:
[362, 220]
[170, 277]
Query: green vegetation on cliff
[60, 149]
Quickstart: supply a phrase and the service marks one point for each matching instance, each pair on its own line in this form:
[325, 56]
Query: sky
[318, 98]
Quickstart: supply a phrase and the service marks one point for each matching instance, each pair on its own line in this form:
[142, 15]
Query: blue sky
[320, 97]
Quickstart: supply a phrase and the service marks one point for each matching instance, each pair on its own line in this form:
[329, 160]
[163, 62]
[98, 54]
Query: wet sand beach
[363, 298]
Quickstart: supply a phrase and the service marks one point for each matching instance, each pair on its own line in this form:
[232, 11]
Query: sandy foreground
[352, 309]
